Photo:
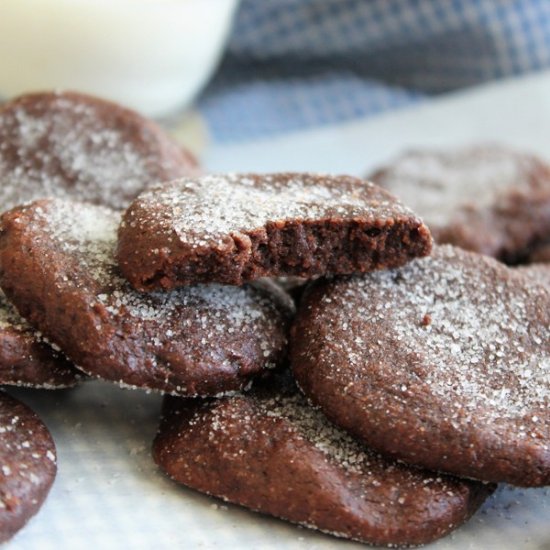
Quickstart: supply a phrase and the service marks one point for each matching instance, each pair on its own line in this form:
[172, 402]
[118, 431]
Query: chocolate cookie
[488, 199]
[25, 359]
[71, 145]
[27, 465]
[57, 266]
[236, 228]
[273, 453]
[444, 363]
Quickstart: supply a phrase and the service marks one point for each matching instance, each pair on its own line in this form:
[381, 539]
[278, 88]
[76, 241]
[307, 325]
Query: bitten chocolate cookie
[444, 363]
[25, 359]
[57, 266]
[27, 465]
[71, 145]
[273, 453]
[236, 228]
[488, 199]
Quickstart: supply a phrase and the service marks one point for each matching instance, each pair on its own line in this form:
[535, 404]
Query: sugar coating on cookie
[27, 465]
[276, 454]
[200, 340]
[489, 199]
[239, 227]
[444, 363]
[538, 273]
[67, 144]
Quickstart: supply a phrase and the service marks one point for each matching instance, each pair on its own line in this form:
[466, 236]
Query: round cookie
[27, 465]
[271, 452]
[488, 199]
[71, 145]
[444, 363]
[239, 227]
[57, 266]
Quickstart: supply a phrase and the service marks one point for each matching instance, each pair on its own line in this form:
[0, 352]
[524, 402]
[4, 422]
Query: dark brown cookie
[273, 453]
[25, 359]
[488, 199]
[444, 363]
[27, 465]
[236, 228]
[71, 145]
[57, 266]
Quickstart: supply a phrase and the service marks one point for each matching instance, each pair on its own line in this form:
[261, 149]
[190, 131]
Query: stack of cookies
[69, 146]
[382, 407]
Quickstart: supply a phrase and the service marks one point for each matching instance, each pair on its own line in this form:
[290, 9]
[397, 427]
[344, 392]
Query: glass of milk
[151, 55]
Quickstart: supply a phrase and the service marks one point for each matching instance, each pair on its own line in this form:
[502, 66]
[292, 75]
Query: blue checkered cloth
[295, 64]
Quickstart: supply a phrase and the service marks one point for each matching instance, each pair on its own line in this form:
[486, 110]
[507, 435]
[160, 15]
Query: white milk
[152, 55]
